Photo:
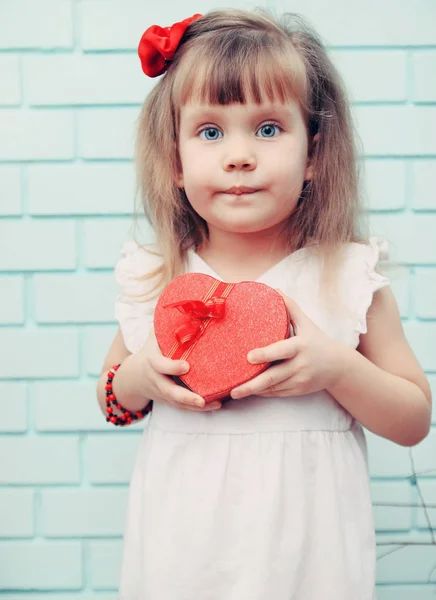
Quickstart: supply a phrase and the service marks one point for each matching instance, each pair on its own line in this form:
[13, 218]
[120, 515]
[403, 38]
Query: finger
[210, 406]
[168, 366]
[176, 393]
[267, 379]
[281, 350]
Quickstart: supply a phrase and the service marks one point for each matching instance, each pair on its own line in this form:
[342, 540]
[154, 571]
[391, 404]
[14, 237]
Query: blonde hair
[230, 56]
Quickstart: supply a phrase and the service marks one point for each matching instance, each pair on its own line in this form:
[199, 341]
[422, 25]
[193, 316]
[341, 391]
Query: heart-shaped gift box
[213, 325]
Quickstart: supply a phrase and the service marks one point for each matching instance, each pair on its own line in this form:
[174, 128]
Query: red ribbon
[198, 312]
[159, 44]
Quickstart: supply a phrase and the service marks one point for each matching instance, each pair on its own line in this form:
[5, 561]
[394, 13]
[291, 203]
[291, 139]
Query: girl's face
[243, 165]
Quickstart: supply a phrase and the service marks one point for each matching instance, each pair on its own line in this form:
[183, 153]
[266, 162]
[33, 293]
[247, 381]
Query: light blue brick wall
[70, 91]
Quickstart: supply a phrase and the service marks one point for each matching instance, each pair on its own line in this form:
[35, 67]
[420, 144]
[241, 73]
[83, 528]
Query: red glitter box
[213, 325]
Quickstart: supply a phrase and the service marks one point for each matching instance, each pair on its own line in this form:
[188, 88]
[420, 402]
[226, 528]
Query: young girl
[247, 169]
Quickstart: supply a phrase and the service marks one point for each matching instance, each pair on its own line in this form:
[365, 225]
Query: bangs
[240, 69]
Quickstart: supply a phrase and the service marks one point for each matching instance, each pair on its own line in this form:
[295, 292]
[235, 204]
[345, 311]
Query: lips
[238, 190]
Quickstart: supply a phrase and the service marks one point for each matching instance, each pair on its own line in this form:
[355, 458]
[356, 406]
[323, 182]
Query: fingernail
[251, 357]
[200, 402]
[185, 367]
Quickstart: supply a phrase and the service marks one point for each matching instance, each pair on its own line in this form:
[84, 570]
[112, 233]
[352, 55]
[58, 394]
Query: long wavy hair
[235, 56]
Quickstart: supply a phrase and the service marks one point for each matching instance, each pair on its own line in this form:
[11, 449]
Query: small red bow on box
[158, 46]
[198, 312]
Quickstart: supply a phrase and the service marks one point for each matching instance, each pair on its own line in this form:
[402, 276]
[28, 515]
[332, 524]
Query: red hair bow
[158, 46]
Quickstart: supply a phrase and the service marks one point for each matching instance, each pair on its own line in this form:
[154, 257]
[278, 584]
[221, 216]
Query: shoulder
[359, 278]
[362, 265]
[373, 250]
[136, 261]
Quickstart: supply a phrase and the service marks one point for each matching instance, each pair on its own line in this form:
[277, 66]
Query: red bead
[127, 417]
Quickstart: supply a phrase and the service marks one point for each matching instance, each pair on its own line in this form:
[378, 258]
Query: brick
[368, 24]
[98, 512]
[41, 565]
[76, 79]
[36, 353]
[421, 337]
[424, 82]
[423, 196]
[106, 558]
[10, 92]
[411, 564]
[425, 293]
[36, 135]
[77, 298]
[10, 190]
[373, 76]
[385, 184]
[121, 25]
[426, 513]
[386, 459]
[12, 303]
[407, 592]
[42, 460]
[13, 407]
[50, 413]
[424, 457]
[410, 236]
[86, 189]
[97, 341]
[52, 242]
[103, 239]
[121, 447]
[108, 133]
[385, 496]
[397, 130]
[16, 513]
[53, 31]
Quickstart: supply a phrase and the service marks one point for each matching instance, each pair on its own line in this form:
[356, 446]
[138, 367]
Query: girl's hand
[311, 361]
[154, 372]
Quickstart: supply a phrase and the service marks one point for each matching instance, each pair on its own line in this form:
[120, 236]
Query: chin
[242, 227]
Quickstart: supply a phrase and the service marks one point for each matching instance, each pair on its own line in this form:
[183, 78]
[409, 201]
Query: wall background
[71, 87]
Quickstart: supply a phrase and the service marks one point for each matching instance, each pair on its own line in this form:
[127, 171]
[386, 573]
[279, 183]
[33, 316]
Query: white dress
[266, 498]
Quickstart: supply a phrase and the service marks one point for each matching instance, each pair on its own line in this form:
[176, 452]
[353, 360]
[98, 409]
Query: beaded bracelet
[127, 417]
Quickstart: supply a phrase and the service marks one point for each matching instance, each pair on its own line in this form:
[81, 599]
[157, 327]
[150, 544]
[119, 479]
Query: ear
[179, 180]
[309, 173]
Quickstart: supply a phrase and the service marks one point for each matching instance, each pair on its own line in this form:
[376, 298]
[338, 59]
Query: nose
[240, 156]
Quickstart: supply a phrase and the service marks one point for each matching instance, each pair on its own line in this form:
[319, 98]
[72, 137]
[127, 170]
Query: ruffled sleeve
[367, 257]
[135, 316]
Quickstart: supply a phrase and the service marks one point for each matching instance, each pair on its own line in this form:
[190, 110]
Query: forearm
[125, 392]
[387, 405]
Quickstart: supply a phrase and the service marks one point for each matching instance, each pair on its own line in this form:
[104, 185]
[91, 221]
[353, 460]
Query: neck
[263, 246]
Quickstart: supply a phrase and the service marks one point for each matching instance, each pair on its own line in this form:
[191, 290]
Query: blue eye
[210, 130]
[269, 130]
